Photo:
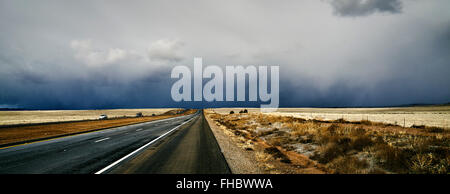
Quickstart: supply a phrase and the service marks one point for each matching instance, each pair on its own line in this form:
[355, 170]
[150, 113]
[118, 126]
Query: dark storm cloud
[85, 94]
[390, 92]
[365, 7]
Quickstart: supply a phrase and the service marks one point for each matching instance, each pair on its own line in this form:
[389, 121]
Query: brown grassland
[286, 144]
[12, 134]
[436, 115]
[44, 116]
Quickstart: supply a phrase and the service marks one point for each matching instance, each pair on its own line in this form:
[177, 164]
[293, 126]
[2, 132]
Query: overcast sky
[117, 54]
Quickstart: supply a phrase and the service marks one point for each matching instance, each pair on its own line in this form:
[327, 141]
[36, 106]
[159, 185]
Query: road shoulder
[240, 160]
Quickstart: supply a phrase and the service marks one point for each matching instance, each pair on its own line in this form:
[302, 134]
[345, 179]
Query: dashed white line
[139, 129]
[101, 140]
[139, 149]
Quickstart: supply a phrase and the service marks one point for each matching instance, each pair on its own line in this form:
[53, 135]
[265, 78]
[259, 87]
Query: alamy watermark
[214, 88]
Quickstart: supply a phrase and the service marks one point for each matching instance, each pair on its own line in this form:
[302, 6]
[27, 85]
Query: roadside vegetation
[285, 144]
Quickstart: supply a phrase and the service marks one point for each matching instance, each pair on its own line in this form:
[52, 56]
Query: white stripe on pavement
[101, 140]
[139, 149]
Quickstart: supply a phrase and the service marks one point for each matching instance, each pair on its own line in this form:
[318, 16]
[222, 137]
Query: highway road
[193, 150]
[112, 150]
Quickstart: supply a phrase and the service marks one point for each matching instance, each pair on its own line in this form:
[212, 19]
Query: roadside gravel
[239, 160]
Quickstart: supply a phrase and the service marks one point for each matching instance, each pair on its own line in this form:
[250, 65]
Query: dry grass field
[13, 134]
[438, 116]
[287, 144]
[45, 116]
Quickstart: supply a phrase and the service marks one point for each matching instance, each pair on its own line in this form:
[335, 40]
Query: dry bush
[341, 120]
[421, 163]
[420, 145]
[421, 155]
[359, 131]
[302, 129]
[431, 156]
[337, 140]
[326, 135]
[361, 142]
[391, 158]
[328, 152]
[434, 129]
[418, 126]
[429, 164]
[366, 122]
[349, 165]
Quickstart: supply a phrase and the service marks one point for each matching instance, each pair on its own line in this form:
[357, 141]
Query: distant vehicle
[139, 114]
[103, 117]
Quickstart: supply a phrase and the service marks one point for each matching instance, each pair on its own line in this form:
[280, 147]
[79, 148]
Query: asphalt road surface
[192, 150]
[109, 151]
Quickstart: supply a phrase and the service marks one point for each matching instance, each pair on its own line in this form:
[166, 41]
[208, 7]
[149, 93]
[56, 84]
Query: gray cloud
[107, 54]
[85, 53]
[166, 50]
[365, 7]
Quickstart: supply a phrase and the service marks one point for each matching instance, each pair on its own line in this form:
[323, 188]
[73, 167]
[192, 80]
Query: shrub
[328, 152]
[360, 142]
[349, 165]
[341, 120]
[366, 122]
[434, 129]
[392, 158]
[421, 163]
[332, 129]
[358, 132]
[418, 126]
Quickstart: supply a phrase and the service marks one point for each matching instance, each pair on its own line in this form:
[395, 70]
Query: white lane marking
[101, 140]
[139, 129]
[139, 149]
